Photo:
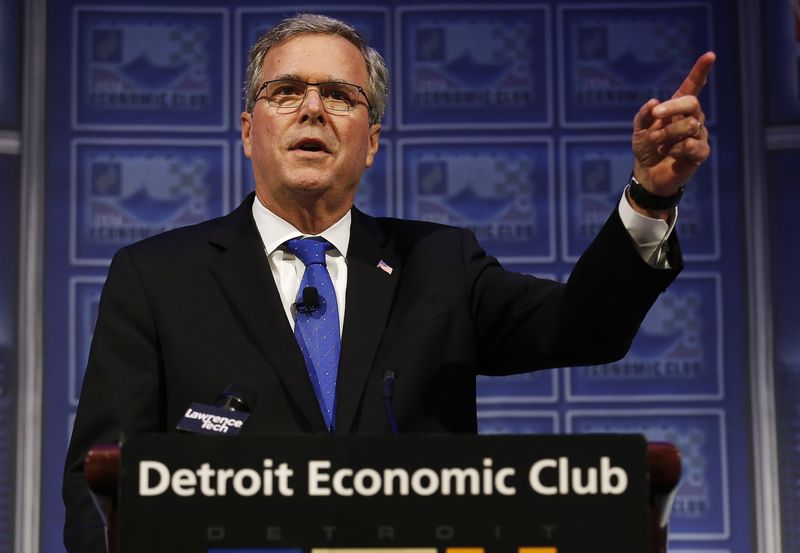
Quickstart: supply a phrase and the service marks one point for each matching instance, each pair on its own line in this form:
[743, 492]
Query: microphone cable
[388, 393]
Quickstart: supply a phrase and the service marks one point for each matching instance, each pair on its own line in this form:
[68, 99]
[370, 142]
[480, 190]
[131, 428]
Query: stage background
[512, 119]
[10, 58]
[781, 29]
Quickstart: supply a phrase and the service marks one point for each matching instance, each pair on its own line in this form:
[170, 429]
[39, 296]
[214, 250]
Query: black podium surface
[521, 494]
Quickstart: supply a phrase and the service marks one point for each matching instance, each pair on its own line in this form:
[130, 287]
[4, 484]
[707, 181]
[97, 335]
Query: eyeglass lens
[290, 94]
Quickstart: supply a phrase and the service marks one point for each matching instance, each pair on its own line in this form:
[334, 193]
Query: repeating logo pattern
[676, 355]
[140, 69]
[124, 191]
[481, 67]
[700, 511]
[84, 300]
[502, 191]
[595, 170]
[517, 422]
[535, 387]
[609, 70]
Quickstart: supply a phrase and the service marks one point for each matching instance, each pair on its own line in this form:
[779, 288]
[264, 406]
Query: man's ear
[374, 135]
[247, 133]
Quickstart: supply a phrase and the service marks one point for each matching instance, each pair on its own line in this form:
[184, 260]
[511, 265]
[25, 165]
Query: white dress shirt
[287, 269]
[649, 236]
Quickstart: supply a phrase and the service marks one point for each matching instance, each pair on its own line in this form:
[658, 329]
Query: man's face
[308, 155]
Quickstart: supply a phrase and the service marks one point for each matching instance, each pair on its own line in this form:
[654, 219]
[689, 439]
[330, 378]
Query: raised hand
[670, 140]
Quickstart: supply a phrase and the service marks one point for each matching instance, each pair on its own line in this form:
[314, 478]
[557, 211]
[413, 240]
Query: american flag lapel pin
[384, 267]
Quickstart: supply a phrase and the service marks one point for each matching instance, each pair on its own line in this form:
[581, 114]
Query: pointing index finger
[697, 77]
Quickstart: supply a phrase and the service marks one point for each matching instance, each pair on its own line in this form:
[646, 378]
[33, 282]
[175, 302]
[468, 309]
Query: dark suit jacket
[186, 313]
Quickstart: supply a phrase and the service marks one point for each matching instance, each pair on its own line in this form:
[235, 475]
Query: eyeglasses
[290, 93]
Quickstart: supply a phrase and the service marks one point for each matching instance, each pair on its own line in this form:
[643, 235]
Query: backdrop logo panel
[373, 195]
[502, 191]
[150, 69]
[699, 550]
[701, 508]
[594, 171]
[124, 191]
[677, 354]
[84, 299]
[372, 23]
[782, 62]
[517, 422]
[608, 68]
[482, 67]
[534, 387]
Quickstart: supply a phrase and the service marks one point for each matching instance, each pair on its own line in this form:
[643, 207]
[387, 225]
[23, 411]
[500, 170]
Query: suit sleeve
[524, 323]
[122, 393]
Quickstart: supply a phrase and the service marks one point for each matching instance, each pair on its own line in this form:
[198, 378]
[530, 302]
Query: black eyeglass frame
[307, 84]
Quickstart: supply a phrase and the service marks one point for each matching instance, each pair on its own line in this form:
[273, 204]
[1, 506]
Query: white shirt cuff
[649, 235]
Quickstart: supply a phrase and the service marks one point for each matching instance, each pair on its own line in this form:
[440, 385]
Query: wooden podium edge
[664, 474]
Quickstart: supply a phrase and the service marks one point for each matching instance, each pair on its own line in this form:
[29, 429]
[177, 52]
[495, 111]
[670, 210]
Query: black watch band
[648, 200]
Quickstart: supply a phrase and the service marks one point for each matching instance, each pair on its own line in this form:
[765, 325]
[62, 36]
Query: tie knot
[309, 250]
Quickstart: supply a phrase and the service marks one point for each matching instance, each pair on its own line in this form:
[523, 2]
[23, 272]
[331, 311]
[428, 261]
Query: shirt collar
[275, 231]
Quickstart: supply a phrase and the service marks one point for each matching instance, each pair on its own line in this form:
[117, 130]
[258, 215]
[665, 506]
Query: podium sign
[427, 494]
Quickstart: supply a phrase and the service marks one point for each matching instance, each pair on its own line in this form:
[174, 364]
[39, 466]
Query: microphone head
[236, 398]
[388, 384]
[310, 301]
[311, 297]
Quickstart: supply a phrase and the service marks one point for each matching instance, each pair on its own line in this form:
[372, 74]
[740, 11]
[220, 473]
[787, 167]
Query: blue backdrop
[10, 58]
[785, 196]
[781, 55]
[9, 241]
[10, 43]
[512, 120]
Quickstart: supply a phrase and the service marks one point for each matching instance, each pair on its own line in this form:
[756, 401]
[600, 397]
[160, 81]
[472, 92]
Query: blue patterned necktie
[317, 331]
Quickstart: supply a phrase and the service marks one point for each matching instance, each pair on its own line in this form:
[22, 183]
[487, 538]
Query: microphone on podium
[388, 394]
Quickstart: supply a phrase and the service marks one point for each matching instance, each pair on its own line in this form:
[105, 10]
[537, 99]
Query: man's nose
[312, 103]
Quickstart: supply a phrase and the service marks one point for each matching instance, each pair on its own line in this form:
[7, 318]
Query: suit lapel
[243, 273]
[370, 291]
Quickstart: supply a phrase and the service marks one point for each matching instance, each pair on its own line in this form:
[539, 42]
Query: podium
[415, 494]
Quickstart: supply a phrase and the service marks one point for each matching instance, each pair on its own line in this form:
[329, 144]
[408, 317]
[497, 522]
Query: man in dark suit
[186, 313]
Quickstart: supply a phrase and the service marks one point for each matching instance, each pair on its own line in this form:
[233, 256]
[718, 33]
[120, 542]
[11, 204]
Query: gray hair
[377, 88]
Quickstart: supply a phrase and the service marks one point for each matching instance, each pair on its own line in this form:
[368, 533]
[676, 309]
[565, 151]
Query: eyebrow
[295, 77]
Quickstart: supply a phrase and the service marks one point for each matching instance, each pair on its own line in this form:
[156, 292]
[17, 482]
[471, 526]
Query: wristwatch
[648, 200]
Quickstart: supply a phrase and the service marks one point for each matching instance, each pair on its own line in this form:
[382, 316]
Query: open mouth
[310, 145]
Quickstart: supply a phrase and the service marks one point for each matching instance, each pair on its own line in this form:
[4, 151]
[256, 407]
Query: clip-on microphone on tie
[310, 301]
